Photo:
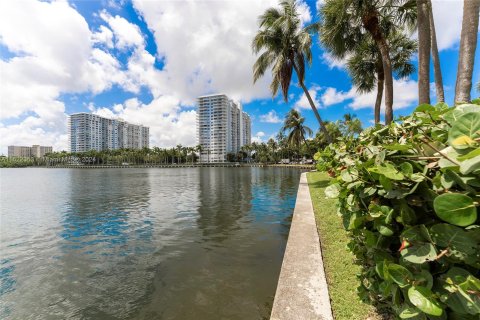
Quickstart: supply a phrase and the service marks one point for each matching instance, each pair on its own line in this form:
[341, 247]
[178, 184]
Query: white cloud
[319, 4]
[302, 102]
[55, 53]
[126, 34]
[270, 117]
[206, 47]
[405, 95]
[258, 137]
[169, 125]
[447, 15]
[332, 96]
[304, 12]
[103, 36]
[333, 62]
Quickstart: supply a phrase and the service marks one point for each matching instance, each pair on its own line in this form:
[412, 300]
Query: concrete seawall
[302, 291]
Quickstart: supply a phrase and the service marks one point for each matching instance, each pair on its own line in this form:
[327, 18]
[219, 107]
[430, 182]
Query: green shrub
[409, 195]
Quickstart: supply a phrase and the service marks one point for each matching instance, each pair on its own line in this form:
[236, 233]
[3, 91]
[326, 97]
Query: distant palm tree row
[293, 142]
[155, 156]
[374, 38]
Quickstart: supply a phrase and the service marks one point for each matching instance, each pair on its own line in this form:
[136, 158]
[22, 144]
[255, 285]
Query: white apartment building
[92, 132]
[33, 151]
[222, 127]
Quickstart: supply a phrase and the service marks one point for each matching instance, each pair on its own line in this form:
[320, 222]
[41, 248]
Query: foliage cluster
[15, 162]
[408, 194]
[340, 268]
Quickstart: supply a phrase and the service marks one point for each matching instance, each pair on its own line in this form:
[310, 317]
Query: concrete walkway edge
[302, 291]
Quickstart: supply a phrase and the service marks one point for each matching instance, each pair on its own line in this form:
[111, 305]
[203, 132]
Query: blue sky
[146, 61]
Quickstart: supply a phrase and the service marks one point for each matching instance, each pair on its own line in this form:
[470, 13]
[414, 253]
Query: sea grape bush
[409, 195]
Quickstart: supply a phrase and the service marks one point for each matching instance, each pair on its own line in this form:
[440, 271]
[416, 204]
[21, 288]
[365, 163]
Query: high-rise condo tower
[222, 127]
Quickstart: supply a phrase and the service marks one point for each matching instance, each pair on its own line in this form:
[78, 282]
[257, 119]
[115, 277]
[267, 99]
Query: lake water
[186, 243]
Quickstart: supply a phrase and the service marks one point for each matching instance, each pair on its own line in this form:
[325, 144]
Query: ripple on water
[142, 243]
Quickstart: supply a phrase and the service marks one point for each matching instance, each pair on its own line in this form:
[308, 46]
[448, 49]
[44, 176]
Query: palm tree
[366, 69]
[351, 125]
[424, 41]
[272, 148]
[286, 47]
[435, 57]
[468, 44]
[345, 23]
[199, 149]
[297, 131]
[179, 153]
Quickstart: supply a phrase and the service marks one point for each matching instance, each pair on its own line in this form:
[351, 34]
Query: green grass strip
[338, 262]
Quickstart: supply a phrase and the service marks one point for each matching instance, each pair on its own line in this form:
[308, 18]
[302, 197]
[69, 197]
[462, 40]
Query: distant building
[222, 127]
[92, 132]
[33, 151]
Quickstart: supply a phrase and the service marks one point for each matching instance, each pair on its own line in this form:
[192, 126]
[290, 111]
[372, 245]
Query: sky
[146, 61]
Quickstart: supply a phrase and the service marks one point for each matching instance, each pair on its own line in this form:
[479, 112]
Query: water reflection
[143, 243]
[222, 207]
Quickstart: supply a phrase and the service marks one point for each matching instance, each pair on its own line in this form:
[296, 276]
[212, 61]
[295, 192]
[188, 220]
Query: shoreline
[302, 290]
[202, 165]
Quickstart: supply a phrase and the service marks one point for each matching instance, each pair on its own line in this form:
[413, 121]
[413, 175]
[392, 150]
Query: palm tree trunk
[468, 44]
[312, 105]
[371, 23]
[424, 41]
[380, 84]
[435, 57]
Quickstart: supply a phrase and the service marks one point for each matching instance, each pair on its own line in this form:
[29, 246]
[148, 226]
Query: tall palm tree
[424, 42]
[297, 131]
[199, 149]
[351, 125]
[435, 57]
[345, 23]
[468, 44]
[285, 47]
[366, 69]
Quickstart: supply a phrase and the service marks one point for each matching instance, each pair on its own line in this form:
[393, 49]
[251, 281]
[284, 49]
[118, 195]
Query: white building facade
[27, 152]
[92, 132]
[222, 127]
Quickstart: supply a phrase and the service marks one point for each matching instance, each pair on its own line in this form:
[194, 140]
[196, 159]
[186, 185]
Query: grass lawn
[338, 262]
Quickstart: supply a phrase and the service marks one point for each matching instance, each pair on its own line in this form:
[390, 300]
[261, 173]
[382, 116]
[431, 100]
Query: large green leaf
[425, 107]
[419, 253]
[465, 130]
[399, 274]
[469, 155]
[388, 170]
[408, 312]
[455, 238]
[424, 279]
[418, 233]
[423, 299]
[385, 230]
[470, 165]
[455, 208]
[464, 291]
[406, 168]
[399, 147]
[453, 115]
[332, 191]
